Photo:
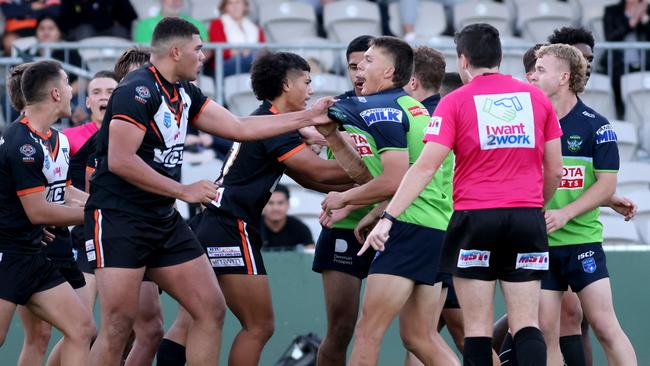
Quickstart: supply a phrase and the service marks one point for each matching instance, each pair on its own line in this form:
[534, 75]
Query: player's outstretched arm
[552, 164]
[346, 156]
[317, 186]
[309, 165]
[598, 194]
[395, 163]
[623, 206]
[218, 121]
[75, 197]
[41, 212]
[414, 182]
[123, 143]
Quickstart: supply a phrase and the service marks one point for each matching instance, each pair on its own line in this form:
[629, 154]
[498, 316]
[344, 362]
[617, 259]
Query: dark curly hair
[572, 36]
[270, 71]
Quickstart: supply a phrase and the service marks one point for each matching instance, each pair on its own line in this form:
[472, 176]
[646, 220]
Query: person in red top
[235, 27]
[506, 139]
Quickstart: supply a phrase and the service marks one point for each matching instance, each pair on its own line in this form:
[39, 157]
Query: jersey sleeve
[442, 126]
[340, 111]
[552, 128]
[26, 162]
[198, 102]
[133, 102]
[606, 159]
[284, 146]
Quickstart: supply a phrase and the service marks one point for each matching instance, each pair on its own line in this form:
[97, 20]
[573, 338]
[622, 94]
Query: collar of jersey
[163, 84]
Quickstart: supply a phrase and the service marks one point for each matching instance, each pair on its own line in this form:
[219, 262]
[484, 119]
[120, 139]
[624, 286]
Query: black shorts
[577, 266]
[336, 250]
[451, 302]
[411, 251]
[509, 244]
[118, 239]
[232, 246]
[79, 249]
[26, 274]
[71, 272]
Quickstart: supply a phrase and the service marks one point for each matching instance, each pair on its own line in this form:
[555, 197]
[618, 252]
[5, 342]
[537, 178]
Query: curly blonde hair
[577, 63]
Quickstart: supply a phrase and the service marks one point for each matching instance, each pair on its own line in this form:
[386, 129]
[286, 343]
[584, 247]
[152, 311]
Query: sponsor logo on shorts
[534, 261]
[374, 115]
[91, 256]
[584, 255]
[226, 262]
[418, 111]
[362, 144]
[605, 134]
[505, 121]
[434, 126]
[573, 177]
[473, 258]
[343, 259]
[220, 252]
[589, 265]
[90, 245]
[340, 246]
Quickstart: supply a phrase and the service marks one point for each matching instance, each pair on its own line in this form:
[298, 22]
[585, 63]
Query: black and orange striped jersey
[30, 162]
[163, 111]
[251, 171]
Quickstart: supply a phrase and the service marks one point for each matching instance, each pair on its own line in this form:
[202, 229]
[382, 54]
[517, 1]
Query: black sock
[530, 347]
[170, 353]
[507, 354]
[572, 350]
[478, 351]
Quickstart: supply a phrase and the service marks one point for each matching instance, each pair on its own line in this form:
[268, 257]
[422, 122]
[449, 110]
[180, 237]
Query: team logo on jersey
[142, 94]
[505, 121]
[27, 150]
[418, 111]
[574, 143]
[46, 162]
[374, 115]
[573, 177]
[589, 265]
[167, 119]
[473, 258]
[434, 126]
[605, 134]
[534, 261]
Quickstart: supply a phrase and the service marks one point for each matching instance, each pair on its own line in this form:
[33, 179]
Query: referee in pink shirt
[506, 139]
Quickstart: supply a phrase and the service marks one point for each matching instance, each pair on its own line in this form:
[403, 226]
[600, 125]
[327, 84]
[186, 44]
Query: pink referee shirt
[497, 127]
[79, 135]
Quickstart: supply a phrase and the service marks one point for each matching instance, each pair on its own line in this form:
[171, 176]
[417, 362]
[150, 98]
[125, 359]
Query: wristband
[387, 216]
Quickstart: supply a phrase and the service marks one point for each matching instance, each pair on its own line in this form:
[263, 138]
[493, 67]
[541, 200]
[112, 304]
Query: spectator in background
[168, 8]
[20, 15]
[235, 27]
[48, 30]
[279, 230]
[89, 18]
[627, 21]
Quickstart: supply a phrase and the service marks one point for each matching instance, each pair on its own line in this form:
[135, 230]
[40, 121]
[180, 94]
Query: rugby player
[591, 161]
[229, 228]
[501, 181]
[131, 220]
[388, 126]
[34, 162]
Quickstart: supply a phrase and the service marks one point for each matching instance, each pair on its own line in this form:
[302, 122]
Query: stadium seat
[146, 8]
[592, 17]
[102, 58]
[635, 88]
[327, 58]
[513, 52]
[328, 85]
[22, 44]
[483, 11]
[431, 20]
[628, 139]
[206, 84]
[617, 231]
[305, 202]
[204, 11]
[347, 19]
[446, 45]
[598, 95]
[238, 94]
[633, 176]
[539, 20]
[285, 21]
